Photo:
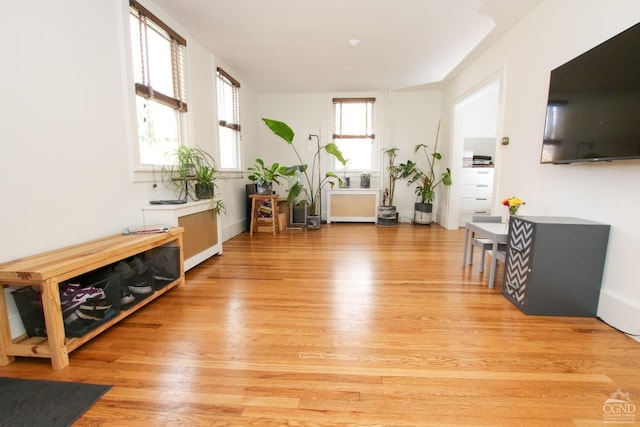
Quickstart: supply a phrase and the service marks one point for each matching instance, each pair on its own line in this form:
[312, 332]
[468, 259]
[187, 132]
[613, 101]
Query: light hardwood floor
[348, 325]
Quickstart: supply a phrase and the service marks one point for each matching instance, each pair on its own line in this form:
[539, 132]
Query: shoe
[140, 288]
[80, 295]
[126, 297]
[67, 291]
[93, 309]
[162, 274]
[124, 269]
[138, 266]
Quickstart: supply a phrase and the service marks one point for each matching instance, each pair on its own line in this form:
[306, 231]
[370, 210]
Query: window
[158, 67]
[229, 120]
[353, 131]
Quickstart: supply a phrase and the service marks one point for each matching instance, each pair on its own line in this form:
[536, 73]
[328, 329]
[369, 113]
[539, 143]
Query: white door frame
[458, 130]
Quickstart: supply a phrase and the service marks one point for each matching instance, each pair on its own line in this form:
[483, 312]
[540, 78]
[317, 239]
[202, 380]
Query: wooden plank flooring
[348, 325]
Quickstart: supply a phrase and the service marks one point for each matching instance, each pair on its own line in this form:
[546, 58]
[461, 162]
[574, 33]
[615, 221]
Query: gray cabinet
[554, 265]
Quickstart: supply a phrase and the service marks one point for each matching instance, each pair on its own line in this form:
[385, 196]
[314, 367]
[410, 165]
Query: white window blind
[159, 75]
[353, 131]
[229, 120]
[158, 58]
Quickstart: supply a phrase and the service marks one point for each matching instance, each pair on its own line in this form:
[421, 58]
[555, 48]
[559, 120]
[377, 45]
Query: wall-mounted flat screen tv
[593, 110]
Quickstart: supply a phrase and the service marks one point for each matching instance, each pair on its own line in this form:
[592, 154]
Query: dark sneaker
[93, 309]
[124, 269]
[162, 274]
[140, 288]
[126, 297]
[80, 296]
[138, 266]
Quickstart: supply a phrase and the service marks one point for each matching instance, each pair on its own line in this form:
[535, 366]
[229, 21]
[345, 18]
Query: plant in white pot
[304, 180]
[426, 181]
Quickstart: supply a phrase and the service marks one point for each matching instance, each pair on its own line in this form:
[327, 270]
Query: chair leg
[482, 261]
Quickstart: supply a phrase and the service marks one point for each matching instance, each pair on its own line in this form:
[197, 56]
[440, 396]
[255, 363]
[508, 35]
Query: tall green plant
[426, 179]
[395, 172]
[310, 188]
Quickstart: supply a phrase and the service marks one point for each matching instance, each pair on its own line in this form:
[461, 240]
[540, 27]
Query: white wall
[552, 34]
[403, 120]
[66, 128]
[65, 170]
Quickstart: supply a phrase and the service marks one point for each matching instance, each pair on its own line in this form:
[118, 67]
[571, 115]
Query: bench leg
[55, 325]
[5, 332]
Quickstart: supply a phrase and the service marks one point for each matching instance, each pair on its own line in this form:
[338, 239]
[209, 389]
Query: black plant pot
[423, 213]
[387, 216]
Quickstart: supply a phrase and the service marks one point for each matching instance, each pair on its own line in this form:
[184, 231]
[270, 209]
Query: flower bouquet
[513, 203]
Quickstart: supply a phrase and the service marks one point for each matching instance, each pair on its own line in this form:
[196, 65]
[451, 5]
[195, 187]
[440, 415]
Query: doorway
[475, 157]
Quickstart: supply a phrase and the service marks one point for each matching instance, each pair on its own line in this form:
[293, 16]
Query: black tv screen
[593, 110]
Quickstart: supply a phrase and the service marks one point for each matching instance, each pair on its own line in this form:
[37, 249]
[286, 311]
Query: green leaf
[281, 129]
[446, 177]
[291, 170]
[294, 192]
[333, 149]
[332, 175]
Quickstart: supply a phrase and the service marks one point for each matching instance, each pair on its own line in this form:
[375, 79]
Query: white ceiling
[291, 46]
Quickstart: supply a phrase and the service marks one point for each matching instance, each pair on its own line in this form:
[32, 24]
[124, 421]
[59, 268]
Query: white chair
[485, 244]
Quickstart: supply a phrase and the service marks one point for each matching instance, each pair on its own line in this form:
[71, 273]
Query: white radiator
[352, 205]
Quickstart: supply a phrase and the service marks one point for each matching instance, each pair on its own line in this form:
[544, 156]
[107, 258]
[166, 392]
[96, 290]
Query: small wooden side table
[258, 200]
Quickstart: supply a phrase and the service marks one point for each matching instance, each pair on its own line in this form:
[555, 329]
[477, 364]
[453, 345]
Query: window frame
[369, 125]
[223, 77]
[176, 101]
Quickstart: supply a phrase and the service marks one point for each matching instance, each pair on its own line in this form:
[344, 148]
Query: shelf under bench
[47, 270]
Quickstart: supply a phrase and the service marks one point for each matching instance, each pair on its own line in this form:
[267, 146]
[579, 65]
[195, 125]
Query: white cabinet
[202, 236]
[476, 193]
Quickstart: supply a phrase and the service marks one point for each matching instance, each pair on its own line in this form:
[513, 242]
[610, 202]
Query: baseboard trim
[619, 313]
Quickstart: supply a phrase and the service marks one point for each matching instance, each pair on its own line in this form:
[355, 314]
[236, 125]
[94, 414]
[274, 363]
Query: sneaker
[124, 269]
[162, 274]
[126, 297]
[80, 296]
[67, 291]
[138, 266]
[140, 288]
[93, 309]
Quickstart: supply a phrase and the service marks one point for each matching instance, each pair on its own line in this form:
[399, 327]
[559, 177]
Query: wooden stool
[258, 200]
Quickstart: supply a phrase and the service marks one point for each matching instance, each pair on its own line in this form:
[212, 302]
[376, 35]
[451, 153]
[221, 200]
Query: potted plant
[204, 185]
[387, 213]
[346, 181]
[365, 180]
[307, 182]
[264, 176]
[193, 174]
[426, 181]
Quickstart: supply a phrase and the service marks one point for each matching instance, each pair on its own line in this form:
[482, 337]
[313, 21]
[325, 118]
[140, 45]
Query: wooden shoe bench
[48, 269]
